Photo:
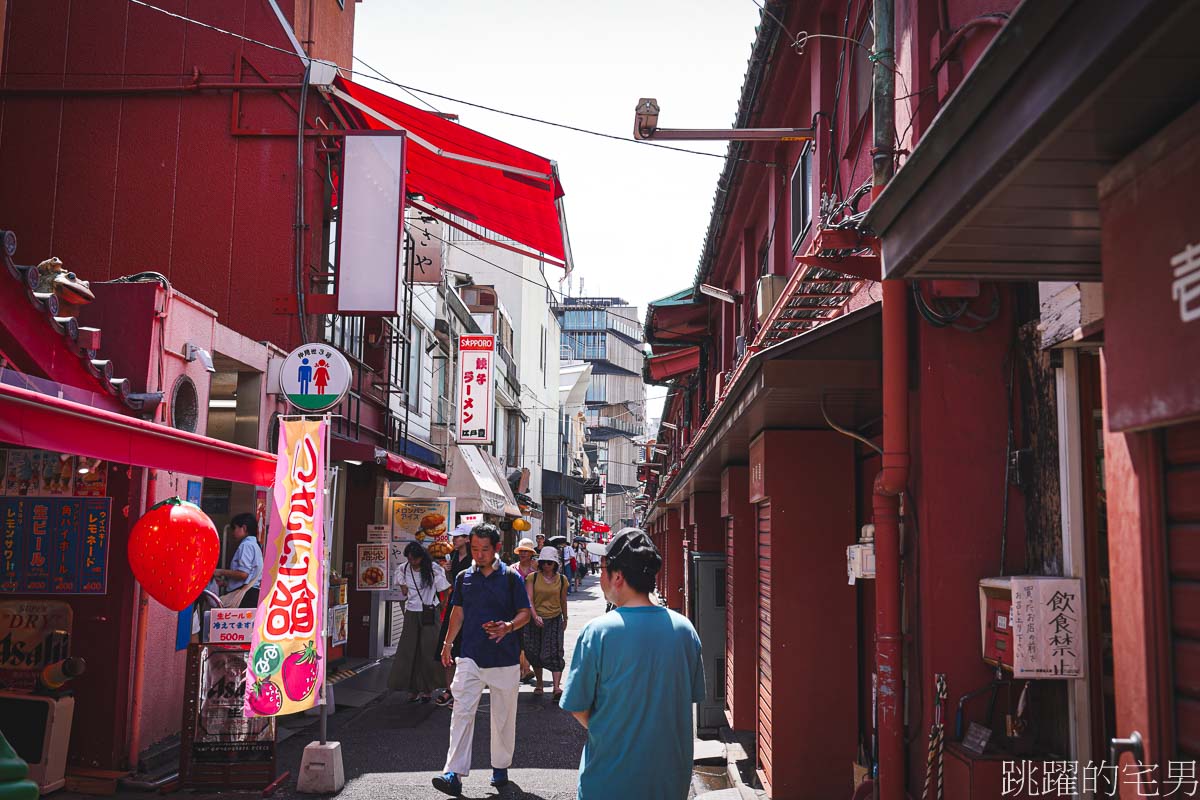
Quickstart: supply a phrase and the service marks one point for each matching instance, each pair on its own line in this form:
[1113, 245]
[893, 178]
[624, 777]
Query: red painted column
[741, 605]
[673, 561]
[708, 529]
[810, 707]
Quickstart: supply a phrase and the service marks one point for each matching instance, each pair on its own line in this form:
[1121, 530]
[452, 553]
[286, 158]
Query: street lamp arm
[645, 127]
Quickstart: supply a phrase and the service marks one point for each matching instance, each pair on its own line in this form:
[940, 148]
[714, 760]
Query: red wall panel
[813, 636]
[145, 195]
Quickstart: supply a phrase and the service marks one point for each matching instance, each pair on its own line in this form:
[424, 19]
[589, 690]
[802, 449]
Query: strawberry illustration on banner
[287, 650]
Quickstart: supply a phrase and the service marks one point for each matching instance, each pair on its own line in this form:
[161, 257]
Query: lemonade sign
[315, 377]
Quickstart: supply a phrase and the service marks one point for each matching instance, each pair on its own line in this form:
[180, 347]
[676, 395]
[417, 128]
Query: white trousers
[503, 684]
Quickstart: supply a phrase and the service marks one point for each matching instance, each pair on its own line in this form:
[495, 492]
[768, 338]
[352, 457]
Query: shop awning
[46, 422]
[495, 185]
[676, 318]
[346, 450]
[477, 483]
[672, 364]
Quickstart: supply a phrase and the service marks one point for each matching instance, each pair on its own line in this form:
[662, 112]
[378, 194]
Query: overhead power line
[414, 91]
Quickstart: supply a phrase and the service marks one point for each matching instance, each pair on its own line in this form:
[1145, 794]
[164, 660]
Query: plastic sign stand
[321, 769]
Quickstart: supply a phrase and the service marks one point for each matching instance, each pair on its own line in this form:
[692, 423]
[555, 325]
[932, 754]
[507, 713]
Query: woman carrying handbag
[543, 640]
[415, 666]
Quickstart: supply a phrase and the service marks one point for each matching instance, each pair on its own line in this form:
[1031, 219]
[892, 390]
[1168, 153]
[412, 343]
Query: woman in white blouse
[415, 666]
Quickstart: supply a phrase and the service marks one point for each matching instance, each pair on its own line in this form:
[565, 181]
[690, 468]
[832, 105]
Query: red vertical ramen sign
[476, 402]
[286, 671]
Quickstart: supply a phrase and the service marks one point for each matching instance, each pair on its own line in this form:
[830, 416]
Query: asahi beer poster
[286, 671]
[33, 633]
[222, 734]
[476, 406]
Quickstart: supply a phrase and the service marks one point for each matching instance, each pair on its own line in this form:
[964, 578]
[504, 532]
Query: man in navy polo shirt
[489, 604]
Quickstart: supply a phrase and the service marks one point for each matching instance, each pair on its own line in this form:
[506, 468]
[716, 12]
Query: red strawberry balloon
[173, 550]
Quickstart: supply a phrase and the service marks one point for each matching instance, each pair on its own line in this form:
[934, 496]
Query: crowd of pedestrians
[633, 677]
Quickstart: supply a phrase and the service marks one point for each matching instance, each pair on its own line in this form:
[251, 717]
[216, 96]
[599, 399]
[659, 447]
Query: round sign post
[315, 377]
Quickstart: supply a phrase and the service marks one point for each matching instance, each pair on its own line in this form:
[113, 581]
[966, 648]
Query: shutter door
[729, 631]
[1182, 477]
[395, 623]
[764, 641]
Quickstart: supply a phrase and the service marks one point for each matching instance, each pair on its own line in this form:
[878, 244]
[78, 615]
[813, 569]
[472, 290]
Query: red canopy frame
[493, 184]
[45, 422]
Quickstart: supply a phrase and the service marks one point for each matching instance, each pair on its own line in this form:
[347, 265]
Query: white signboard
[1047, 622]
[379, 534]
[315, 377]
[230, 625]
[476, 400]
[370, 249]
[470, 519]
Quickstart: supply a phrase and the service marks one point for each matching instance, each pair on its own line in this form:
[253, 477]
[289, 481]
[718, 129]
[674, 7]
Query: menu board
[51, 545]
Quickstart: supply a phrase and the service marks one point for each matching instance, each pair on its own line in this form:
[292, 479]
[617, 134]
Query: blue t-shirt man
[632, 681]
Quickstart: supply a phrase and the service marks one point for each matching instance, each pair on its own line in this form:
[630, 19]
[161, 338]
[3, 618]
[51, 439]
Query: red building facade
[913, 363]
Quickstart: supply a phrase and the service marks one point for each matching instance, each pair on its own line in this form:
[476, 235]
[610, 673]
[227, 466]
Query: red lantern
[173, 550]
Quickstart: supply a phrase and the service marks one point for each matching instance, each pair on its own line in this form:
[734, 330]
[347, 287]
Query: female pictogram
[321, 376]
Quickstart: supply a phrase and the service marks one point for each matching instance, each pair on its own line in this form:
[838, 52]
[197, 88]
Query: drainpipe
[139, 657]
[893, 477]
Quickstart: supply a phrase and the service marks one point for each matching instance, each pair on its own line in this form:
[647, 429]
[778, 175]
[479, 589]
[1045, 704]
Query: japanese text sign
[476, 406]
[52, 545]
[286, 672]
[1047, 623]
[230, 625]
[372, 568]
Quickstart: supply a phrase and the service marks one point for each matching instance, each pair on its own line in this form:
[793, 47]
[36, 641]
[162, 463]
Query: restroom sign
[476, 402]
[315, 377]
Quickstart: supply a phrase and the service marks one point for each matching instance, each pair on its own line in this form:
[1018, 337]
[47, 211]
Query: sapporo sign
[286, 670]
[476, 407]
[315, 377]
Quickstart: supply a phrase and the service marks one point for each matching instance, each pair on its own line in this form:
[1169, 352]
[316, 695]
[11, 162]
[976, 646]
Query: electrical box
[995, 621]
[860, 562]
[1033, 625]
[770, 287]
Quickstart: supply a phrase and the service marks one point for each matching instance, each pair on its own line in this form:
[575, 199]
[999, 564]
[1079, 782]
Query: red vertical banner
[286, 671]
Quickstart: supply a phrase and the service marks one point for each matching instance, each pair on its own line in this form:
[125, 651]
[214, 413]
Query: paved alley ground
[391, 748]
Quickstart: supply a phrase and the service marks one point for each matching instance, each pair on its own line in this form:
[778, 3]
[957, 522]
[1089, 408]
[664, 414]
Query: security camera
[192, 352]
[645, 118]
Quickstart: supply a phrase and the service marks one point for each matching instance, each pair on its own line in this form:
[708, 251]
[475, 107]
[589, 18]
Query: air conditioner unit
[770, 287]
[40, 733]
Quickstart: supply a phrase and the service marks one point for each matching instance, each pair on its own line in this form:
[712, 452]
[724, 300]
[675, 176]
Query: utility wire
[412, 90]
[411, 94]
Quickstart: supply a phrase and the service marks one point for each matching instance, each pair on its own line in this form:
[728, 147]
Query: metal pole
[330, 498]
[893, 477]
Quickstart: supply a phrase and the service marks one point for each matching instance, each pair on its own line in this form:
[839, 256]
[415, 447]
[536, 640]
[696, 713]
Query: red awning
[50, 423]
[670, 365]
[502, 188]
[346, 450]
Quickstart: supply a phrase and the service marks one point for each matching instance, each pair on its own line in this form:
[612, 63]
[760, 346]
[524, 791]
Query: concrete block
[321, 770]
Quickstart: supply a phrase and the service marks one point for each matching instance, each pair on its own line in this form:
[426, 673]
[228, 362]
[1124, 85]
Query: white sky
[637, 215]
